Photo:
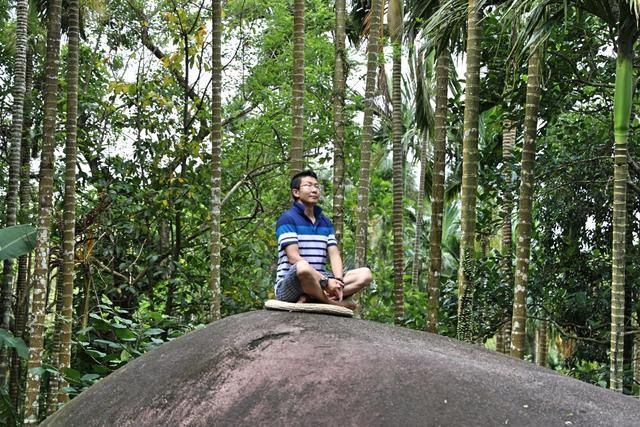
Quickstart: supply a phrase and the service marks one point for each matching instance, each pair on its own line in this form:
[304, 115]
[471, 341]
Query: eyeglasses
[309, 185]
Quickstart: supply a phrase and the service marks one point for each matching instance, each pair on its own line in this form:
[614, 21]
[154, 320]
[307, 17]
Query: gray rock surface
[289, 369]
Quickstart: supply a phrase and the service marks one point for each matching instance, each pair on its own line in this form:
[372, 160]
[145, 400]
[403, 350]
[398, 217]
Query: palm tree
[338, 120]
[623, 100]
[395, 17]
[297, 99]
[216, 172]
[437, 190]
[466, 272]
[22, 304]
[69, 215]
[620, 15]
[442, 22]
[541, 343]
[22, 11]
[415, 270]
[367, 134]
[506, 255]
[45, 193]
[523, 245]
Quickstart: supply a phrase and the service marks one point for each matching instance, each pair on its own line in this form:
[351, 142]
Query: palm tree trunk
[636, 358]
[623, 99]
[541, 344]
[338, 120]
[506, 333]
[18, 93]
[415, 269]
[396, 30]
[22, 301]
[523, 245]
[297, 99]
[54, 378]
[437, 190]
[506, 260]
[45, 192]
[216, 171]
[499, 341]
[466, 272]
[362, 210]
[86, 293]
[69, 235]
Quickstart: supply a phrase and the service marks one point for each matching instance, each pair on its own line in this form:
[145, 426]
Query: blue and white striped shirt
[313, 240]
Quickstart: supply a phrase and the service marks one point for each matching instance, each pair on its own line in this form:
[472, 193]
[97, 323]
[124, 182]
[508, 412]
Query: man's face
[309, 191]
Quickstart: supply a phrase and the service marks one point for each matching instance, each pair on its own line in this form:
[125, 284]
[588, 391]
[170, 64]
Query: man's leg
[309, 280]
[356, 280]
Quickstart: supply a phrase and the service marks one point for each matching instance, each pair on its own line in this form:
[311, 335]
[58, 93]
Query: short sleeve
[286, 233]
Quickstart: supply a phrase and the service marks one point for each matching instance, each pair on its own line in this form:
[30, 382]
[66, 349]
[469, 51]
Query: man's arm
[293, 253]
[336, 261]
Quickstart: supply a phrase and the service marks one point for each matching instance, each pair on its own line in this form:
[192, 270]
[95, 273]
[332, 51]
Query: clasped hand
[334, 290]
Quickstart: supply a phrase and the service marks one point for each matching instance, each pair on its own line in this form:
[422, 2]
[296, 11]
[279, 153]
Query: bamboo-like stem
[216, 167]
[466, 271]
[45, 193]
[525, 203]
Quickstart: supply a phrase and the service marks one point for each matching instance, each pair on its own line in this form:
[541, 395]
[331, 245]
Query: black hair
[297, 178]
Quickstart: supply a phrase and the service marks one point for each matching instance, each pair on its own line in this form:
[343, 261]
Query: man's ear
[295, 192]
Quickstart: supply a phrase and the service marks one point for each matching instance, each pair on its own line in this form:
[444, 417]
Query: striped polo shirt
[294, 227]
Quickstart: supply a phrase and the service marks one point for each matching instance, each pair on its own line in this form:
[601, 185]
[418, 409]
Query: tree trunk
[506, 252]
[86, 294]
[623, 99]
[523, 244]
[396, 30]
[54, 378]
[466, 271]
[506, 333]
[636, 358]
[216, 172]
[415, 265]
[45, 192]
[362, 210]
[437, 190]
[22, 9]
[297, 99]
[542, 346]
[21, 309]
[499, 341]
[69, 234]
[338, 121]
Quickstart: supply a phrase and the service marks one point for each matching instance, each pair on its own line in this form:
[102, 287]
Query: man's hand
[334, 290]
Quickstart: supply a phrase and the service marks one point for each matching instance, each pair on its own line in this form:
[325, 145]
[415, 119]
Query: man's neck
[309, 210]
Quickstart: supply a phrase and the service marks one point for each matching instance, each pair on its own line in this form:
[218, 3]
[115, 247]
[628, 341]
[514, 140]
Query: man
[305, 240]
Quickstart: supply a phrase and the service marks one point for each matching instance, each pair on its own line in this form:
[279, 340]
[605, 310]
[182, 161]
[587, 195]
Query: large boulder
[279, 368]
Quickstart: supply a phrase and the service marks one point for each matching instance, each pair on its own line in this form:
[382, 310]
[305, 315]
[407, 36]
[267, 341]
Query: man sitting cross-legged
[305, 239]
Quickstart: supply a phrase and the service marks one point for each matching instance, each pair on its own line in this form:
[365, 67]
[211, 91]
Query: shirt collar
[299, 206]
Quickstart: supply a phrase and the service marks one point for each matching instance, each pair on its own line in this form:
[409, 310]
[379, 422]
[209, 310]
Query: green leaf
[96, 353]
[16, 241]
[153, 331]
[125, 355]
[108, 343]
[126, 334]
[89, 377]
[72, 374]
[8, 340]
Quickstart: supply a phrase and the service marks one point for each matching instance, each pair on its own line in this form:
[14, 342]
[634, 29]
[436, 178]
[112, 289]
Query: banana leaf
[16, 241]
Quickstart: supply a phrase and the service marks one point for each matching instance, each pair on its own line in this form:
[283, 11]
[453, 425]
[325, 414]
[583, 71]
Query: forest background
[469, 152]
